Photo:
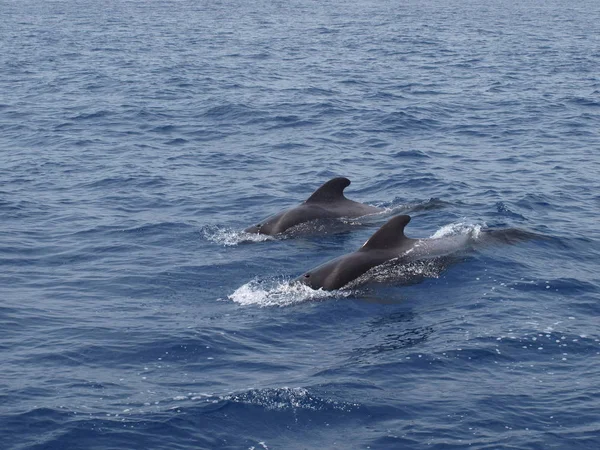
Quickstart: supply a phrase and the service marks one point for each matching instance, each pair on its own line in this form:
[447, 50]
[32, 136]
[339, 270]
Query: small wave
[149, 228]
[288, 398]
[410, 154]
[504, 210]
[274, 399]
[280, 293]
[230, 237]
[92, 115]
[233, 111]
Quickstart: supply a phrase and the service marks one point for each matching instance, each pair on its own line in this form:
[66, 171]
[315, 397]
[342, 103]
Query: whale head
[387, 243]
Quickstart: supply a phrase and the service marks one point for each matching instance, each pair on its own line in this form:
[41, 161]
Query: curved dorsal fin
[390, 235]
[331, 191]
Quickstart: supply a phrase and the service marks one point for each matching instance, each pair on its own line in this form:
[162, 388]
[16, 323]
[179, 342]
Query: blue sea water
[138, 138]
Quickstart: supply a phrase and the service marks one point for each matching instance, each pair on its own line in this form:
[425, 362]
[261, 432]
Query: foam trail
[279, 293]
[453, 229]
[230, 237]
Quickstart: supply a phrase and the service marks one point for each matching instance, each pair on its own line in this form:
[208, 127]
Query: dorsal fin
[389, 235]
[331, 191]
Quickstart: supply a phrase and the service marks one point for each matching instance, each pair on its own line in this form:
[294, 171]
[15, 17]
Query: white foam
[230, 237]
[453, 229]
[395, 209]
[279, 293]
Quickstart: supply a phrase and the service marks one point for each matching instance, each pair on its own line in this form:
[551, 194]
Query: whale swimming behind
[390, 244]
[327, 202]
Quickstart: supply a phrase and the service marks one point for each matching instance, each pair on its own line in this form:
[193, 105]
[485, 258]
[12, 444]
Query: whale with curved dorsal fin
[327, 202]
[389, 243]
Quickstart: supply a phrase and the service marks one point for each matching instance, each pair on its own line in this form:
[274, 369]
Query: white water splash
[280, 293]
[453, 229]
[230, 237]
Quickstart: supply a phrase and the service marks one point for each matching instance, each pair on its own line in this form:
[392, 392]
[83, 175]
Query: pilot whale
[389, 243]
[327, 202]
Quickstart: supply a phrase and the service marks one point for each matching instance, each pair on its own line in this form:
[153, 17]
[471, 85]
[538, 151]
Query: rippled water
[137, 140]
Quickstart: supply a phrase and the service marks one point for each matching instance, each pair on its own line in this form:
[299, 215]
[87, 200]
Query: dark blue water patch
[123, 181]
[157, 229]
[203, 426]
[403, 123]
[375, 143]
[417, 180]
[585, 304]
[165, 129]
[56, 257]
[101, 114]
[393, 342]
[229, 112]
[18, 209]
[178, 141]
[290, 121]
[570, 286]
[586, 101]
[117, 352]
[297, 146]
[534, 202]
[410, 154]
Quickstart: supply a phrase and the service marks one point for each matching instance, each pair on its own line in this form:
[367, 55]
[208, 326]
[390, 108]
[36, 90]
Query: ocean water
[137, 140]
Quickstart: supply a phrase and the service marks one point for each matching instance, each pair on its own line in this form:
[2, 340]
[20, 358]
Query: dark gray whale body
[327, 202]
[390, 244]
[387, 244]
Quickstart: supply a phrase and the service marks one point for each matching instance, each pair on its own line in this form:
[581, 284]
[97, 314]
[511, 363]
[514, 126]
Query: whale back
[327, 202]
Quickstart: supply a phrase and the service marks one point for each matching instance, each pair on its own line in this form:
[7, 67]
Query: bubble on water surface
[460, 228]
[230, 237]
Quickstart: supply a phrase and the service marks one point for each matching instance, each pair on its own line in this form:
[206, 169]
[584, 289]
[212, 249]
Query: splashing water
[452, 229]
[280, 293]
[230, 237]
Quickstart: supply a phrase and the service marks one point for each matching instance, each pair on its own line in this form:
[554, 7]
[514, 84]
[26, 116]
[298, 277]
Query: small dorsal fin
[331, 191]
[389, 235]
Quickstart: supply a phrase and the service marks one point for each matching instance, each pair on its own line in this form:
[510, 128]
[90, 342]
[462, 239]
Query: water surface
[137, 140]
